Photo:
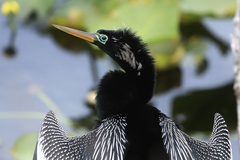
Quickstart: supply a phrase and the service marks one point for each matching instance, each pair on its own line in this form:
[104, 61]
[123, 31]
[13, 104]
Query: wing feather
[174, 140]
[108, 141]
[180, 146]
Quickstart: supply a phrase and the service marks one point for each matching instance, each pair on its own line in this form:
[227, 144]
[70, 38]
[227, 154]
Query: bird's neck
[142, 74]
[123, 92]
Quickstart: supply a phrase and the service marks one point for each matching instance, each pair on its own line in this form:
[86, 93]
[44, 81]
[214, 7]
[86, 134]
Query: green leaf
[206, 7]
[24, 146]
[167, 54]
[153, 20]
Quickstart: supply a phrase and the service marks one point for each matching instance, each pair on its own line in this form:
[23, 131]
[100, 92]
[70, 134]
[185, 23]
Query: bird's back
[144, 135]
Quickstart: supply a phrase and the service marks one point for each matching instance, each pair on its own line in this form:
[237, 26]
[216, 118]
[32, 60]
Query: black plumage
[130, 128]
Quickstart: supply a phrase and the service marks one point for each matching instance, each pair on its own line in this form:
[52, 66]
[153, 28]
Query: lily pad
[154, 20]
[24, 146]
[206, 7]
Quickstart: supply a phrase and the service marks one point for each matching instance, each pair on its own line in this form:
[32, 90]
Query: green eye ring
[102, 38]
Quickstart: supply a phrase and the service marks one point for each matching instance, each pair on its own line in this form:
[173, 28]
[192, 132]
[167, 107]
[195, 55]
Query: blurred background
[42, 68]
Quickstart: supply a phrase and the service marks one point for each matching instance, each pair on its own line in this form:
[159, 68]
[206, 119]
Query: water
[66, 79]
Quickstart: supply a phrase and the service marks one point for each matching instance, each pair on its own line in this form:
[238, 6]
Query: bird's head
[121, 45]
[131, 54]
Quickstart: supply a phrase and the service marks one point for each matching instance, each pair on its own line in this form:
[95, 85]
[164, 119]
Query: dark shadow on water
[195, 110]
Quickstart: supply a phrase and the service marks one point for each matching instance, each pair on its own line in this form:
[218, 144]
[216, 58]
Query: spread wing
[108, 141]
[174, 140]
[218, 147]
[180, 146]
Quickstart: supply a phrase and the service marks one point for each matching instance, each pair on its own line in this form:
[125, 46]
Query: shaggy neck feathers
[120, 92]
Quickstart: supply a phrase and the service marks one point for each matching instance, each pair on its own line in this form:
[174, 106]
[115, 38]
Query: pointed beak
[80, 34]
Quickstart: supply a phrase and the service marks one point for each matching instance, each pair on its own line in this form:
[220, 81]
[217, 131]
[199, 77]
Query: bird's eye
[102, 38]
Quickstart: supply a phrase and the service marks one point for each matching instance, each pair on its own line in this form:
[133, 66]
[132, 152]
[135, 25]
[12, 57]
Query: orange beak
[80, 34]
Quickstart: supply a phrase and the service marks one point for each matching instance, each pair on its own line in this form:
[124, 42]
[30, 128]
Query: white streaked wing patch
[174, 141]
[108, 141]
[52, 142]
[218, 147]
[111, 140]
[180, 146]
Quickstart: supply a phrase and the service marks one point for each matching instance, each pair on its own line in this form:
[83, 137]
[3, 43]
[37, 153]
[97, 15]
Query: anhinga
[129, 128]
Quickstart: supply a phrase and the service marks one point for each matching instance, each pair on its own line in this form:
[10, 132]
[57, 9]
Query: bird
[129, 127]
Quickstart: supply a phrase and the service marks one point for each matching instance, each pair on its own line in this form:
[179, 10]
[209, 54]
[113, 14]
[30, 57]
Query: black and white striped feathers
[110, 141]
[106, 142]
[180, 146]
